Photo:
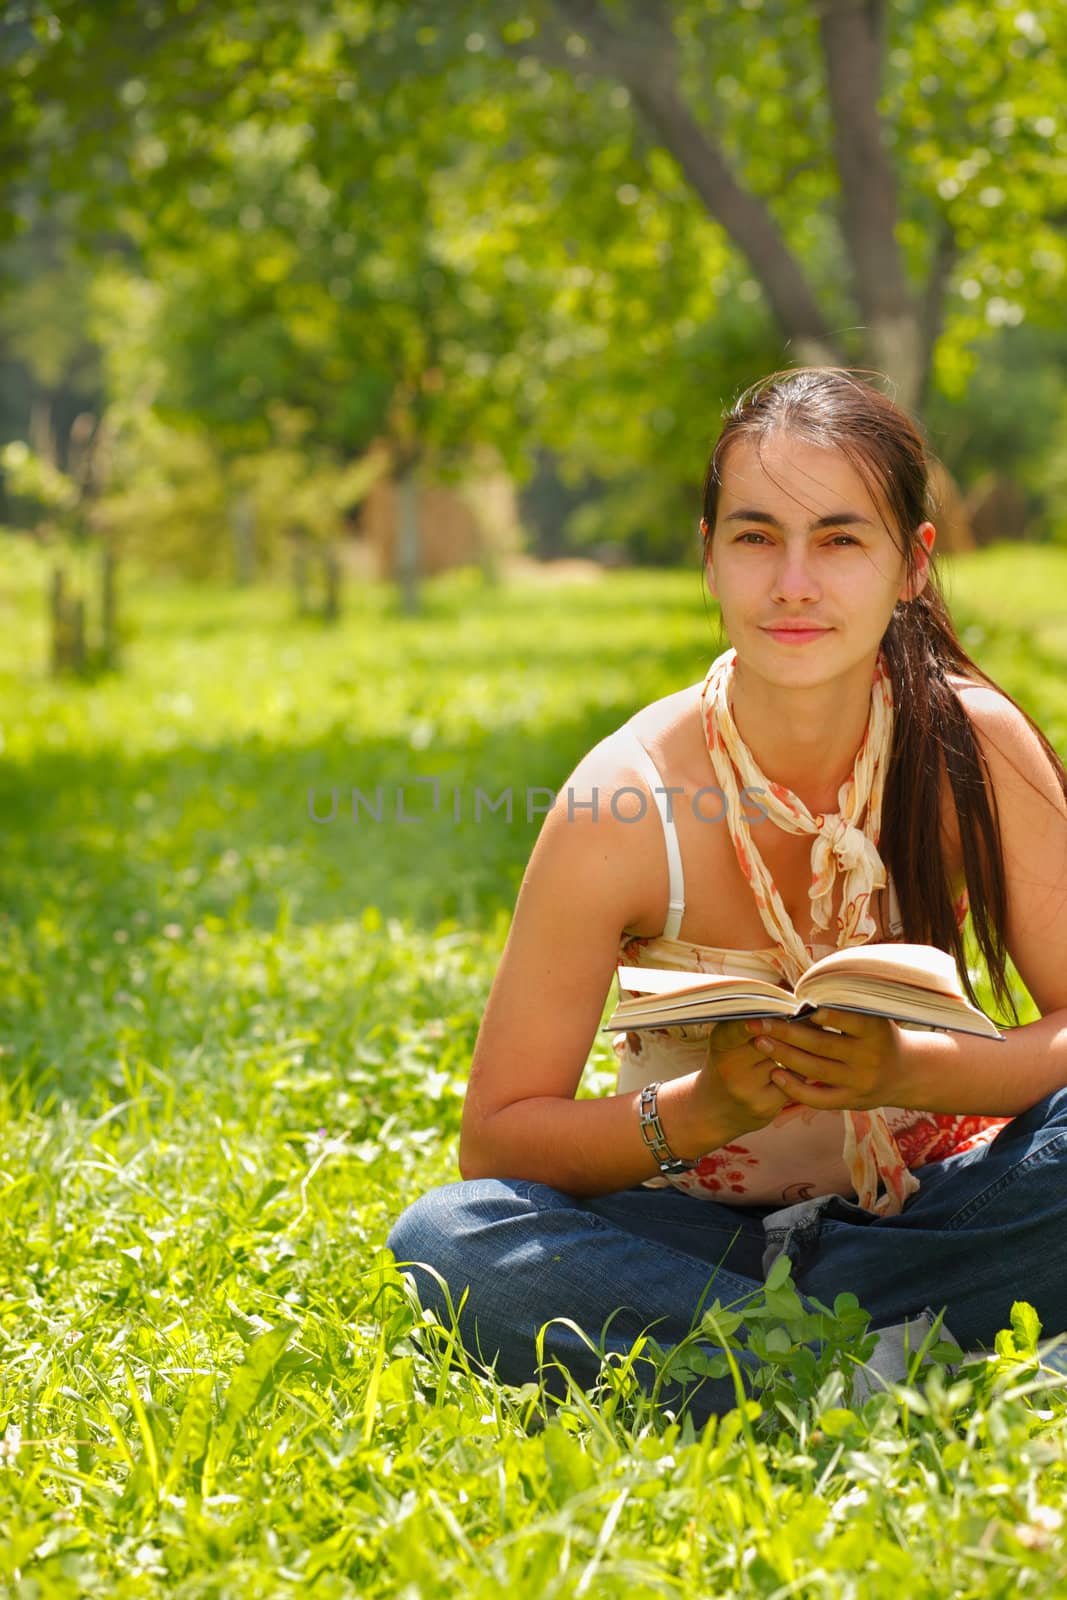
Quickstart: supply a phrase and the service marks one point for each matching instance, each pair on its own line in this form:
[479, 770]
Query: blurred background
[359, 363]
[354, 292]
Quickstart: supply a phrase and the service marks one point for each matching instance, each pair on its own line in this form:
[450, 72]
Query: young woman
[843, 773]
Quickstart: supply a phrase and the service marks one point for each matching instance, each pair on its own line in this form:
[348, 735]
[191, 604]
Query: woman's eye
[756, 536]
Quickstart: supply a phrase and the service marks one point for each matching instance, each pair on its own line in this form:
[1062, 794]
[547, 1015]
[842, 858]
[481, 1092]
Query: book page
[921, 965]
[664, 981]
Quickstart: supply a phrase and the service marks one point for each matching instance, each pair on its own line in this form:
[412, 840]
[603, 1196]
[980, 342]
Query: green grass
[233, 1045]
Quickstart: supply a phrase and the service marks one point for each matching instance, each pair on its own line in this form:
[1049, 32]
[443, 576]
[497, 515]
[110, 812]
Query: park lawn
[233, 1045]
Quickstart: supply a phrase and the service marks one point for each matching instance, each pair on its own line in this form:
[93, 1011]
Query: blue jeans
[987, 1227]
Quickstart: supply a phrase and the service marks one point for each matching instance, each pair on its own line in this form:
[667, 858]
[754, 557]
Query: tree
[294, 269]
[916, 165]
[873, 166]
[584, 215]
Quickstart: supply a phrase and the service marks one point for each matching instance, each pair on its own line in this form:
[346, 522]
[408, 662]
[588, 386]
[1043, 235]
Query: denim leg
[530, 1253]
[987, 1227]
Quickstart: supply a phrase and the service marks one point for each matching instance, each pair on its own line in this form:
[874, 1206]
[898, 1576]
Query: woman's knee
[460, 1245]
[454, 1230]
[426, 1232]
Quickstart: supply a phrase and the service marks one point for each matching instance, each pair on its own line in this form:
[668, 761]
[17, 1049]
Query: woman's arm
[587, 880]
[880, 1064]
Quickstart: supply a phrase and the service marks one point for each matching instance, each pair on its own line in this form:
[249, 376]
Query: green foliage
[35, 487]
[1011, 419]
[448, 229]
[234, 1043]
[167, 498]
[970, 96]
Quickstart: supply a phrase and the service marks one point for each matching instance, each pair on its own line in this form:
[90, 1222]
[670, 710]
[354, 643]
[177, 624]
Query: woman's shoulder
[989, 710]
[1008, 739]
[1025, 779]
[598, 837]
[979, 699]
[601, 788]
[668, 728]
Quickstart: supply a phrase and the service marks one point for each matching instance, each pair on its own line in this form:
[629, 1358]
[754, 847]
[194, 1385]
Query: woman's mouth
[795, 632]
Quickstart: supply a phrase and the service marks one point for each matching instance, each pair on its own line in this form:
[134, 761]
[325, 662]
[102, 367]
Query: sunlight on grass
[234, 1043]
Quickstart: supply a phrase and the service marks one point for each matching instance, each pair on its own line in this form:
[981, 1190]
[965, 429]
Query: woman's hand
[736, 1079]
[835, 1060]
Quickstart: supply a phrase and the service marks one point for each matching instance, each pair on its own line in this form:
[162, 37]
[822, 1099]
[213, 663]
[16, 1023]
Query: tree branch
[645, 60]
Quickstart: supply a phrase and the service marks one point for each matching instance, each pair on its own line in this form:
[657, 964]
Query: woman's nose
[794, 577]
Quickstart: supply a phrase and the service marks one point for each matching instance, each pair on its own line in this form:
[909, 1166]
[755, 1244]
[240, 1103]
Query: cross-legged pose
[843, 773]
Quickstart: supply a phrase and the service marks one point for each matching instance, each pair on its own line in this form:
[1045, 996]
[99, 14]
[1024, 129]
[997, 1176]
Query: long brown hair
[932, 733]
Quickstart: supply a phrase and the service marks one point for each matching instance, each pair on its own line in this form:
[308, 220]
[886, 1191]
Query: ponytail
[933, 739]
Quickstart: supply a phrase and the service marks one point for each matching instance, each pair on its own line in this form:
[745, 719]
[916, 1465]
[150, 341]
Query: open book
[912, 983]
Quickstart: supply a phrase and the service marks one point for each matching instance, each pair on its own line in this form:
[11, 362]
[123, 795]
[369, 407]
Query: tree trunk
[78, 653]
[407, 561]
[850, 35]
[109, 633]
[895, 347]
[69, 651]
[42, 431]
[243, 533]
[331, 574]
[300, 571]
[57, 605]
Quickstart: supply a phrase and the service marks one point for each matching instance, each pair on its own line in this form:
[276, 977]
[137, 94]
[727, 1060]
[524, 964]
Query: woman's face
[803, 563]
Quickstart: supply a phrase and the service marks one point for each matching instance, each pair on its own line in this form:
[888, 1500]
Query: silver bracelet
[654, 1137]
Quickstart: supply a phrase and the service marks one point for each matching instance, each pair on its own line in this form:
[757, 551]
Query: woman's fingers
[730, 1035]
[805, 1035]
[828, 1069]
[817, 1096]
[738, 1075]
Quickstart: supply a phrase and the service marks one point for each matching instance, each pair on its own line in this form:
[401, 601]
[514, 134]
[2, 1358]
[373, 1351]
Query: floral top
[799, 1155]
[804, 1152]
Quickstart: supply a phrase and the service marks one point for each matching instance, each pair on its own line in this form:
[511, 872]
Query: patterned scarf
[844, 841]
